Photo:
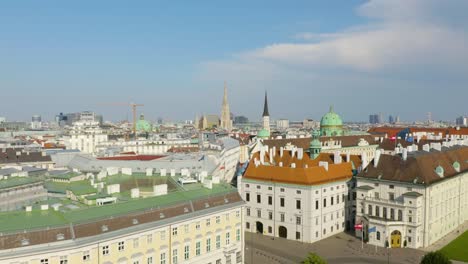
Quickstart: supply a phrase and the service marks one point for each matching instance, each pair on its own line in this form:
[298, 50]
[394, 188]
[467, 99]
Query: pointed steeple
[225, 101]
[265, 106]
[225, 111]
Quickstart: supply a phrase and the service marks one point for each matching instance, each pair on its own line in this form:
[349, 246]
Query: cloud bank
[411, 57]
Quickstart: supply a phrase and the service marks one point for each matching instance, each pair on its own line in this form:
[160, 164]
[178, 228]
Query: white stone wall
[446, 203]
[315, 224]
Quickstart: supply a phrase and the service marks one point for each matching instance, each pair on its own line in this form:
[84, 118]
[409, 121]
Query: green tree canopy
[436, 257]
[313, 258]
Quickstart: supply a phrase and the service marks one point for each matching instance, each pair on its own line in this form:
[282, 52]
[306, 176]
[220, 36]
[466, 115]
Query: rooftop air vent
[25, 242]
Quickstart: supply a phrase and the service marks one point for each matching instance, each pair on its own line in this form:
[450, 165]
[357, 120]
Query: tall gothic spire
[265, 106]
[225, 112]
[225, 101]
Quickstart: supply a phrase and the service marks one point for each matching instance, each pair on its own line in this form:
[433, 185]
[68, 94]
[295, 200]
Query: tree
[436, 257]
[313, 258]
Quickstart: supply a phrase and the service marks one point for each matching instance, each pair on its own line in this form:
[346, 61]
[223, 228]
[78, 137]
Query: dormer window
[440, 171]
[456, 166]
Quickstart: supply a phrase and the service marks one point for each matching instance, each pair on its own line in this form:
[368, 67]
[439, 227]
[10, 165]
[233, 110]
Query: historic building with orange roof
[299, 194]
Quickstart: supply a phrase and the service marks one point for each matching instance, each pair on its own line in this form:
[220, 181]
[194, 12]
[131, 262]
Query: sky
[399, 57]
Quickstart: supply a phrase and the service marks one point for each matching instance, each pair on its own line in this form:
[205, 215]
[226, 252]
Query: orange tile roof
[312, 175]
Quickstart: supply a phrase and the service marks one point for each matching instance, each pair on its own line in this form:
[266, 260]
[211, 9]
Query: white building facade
[418, 208]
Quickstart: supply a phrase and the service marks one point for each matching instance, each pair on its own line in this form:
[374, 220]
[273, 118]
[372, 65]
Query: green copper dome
[331, 119]
[142, 125]
[331, 124]
[315, 145]
[263, 133]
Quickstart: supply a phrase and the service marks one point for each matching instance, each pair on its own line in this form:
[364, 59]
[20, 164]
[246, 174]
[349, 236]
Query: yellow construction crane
[134, 111]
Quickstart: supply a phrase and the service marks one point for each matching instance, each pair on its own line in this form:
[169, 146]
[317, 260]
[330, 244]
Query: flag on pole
[358, 227]
[372, 229]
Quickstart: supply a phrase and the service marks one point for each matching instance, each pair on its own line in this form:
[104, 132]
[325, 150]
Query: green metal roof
[67, 176]
[263, 133]
[331, 119]
[81, 187]
[17, 181]
[21, 220]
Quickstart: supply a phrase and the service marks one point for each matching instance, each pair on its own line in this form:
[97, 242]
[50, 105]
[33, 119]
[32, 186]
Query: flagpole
[362, 237]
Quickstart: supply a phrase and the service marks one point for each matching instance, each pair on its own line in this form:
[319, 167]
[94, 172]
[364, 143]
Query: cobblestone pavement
[341, 248]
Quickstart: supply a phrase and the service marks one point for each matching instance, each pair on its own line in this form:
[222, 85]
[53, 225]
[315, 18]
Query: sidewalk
[447, 238]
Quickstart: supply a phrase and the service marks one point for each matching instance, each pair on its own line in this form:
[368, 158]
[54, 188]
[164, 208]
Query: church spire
[226, 122]
[265, 106]
[225, 101]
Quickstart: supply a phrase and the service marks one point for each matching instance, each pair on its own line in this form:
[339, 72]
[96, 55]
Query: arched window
[369, 211]
[378, 235]
[400, 215]
[392, 213]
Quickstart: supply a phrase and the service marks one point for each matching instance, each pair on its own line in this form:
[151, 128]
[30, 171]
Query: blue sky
[396, 57]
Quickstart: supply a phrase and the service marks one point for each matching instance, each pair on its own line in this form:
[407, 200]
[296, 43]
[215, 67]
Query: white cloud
[402, 36]
[420, 38]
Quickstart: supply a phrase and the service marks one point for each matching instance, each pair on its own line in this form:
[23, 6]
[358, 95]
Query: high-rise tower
[226, 122]
[266, 115]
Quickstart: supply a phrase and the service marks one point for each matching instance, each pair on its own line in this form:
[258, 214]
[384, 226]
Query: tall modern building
[375, 118]
[226, 122]
[36, 122]
[462, 121]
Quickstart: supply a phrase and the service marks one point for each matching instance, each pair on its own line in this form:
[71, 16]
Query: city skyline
[72, 57]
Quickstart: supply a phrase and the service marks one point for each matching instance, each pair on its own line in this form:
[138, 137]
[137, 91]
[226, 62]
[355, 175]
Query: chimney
[377, 157]
[262, 156]
[426, 147]
[323, 164]
[437, 146]
[364, 160]
[293, 152]
[293, 165]
[337, 157]
[404, 155]
[281, 164]
[271, 156]
[300, 153]
[281, 151]
[274, 151]
[348, 157]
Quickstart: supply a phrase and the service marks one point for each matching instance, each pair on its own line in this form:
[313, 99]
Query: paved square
[342, 248]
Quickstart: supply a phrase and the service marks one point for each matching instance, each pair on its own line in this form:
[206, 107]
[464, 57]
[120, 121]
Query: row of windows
[175, 230]
[121, 246]
[384, 213]
[297, 191]
[298, 202]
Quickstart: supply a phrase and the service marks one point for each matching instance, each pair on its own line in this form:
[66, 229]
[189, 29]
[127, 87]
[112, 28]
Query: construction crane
[134, 111]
